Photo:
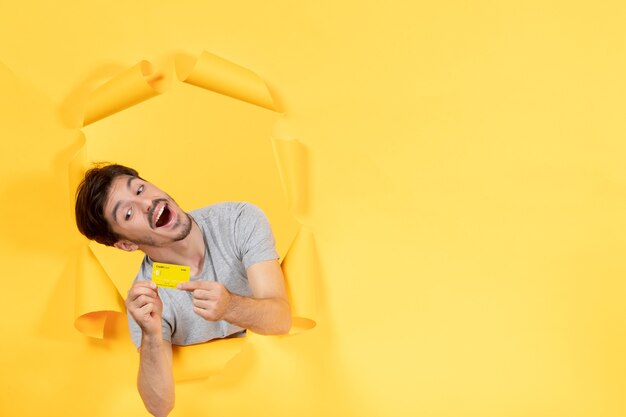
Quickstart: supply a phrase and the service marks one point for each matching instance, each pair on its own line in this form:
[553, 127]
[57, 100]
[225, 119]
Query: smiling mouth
[163, 216]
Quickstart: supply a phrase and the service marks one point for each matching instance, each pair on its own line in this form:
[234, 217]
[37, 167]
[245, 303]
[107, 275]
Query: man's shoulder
[217, 208]
[222, 211]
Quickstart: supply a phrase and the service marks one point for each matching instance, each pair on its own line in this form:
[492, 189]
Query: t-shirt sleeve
[253, 236]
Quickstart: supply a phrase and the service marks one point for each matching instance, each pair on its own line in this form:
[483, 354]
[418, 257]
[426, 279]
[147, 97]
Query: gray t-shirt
[236, 235]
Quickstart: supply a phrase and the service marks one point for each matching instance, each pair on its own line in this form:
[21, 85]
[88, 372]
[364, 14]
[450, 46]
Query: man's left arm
[267, 311]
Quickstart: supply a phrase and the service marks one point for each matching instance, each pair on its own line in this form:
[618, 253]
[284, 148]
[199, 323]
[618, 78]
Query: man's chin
[186, 228]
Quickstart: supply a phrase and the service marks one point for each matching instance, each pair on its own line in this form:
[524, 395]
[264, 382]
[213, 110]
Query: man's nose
[145, 204]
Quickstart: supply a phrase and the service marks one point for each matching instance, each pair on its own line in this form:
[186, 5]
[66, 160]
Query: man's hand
[145, 306]
[211, 300]
[265, 312]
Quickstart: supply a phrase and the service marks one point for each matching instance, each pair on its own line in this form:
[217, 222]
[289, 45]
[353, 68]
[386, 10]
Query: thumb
[190, 285]
[195, 285]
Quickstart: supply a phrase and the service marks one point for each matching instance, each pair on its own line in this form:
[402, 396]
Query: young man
[236, 281]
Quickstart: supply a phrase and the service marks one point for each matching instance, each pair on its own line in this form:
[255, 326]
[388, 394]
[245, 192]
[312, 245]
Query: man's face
[143, 214]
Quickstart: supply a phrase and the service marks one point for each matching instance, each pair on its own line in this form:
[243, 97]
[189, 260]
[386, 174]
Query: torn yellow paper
[71, 111]
[112, 271]
[77, 167]
[120, 267]
[302, 278]
[131, 87]
[467, 200]
[96, 296]
[224, 77]
[205, 359]
[291, 159]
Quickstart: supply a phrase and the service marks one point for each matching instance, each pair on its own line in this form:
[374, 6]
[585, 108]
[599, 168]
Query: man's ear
[126, 245]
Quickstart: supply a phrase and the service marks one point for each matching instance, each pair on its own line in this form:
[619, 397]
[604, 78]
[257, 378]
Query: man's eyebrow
[117, 205]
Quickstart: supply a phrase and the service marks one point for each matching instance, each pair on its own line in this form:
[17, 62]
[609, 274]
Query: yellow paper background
[465, 196]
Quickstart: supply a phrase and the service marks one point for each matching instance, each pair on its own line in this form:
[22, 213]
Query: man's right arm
[155, 380]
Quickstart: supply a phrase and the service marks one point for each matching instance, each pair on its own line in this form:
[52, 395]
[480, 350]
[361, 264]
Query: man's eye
[128, 214]
[140, 190]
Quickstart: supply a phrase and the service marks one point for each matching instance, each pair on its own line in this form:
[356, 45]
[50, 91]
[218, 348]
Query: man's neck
[189, 251]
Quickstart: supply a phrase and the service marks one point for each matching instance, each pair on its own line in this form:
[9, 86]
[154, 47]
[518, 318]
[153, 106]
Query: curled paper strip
[141, 82]
[132, 86]
[96, 296]
[196, 361]
[77, 168]
[217, 74]
[302, 277]
[291, 158]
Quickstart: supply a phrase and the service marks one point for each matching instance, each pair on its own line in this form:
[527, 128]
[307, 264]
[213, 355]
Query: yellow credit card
[169, 275]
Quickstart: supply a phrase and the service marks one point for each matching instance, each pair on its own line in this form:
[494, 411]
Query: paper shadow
[71, 110]
[37, 212]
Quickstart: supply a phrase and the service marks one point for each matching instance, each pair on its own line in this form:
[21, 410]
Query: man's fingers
[142, 300]
[137, 292]
[188, 286]
[141, 287]
[149, 284]
[142, 290]
[204, 304]
[204, 313]
[144, 312]
[203, 294]
[196, 285]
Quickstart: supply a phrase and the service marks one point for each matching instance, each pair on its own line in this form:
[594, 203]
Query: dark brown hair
[92, 195]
